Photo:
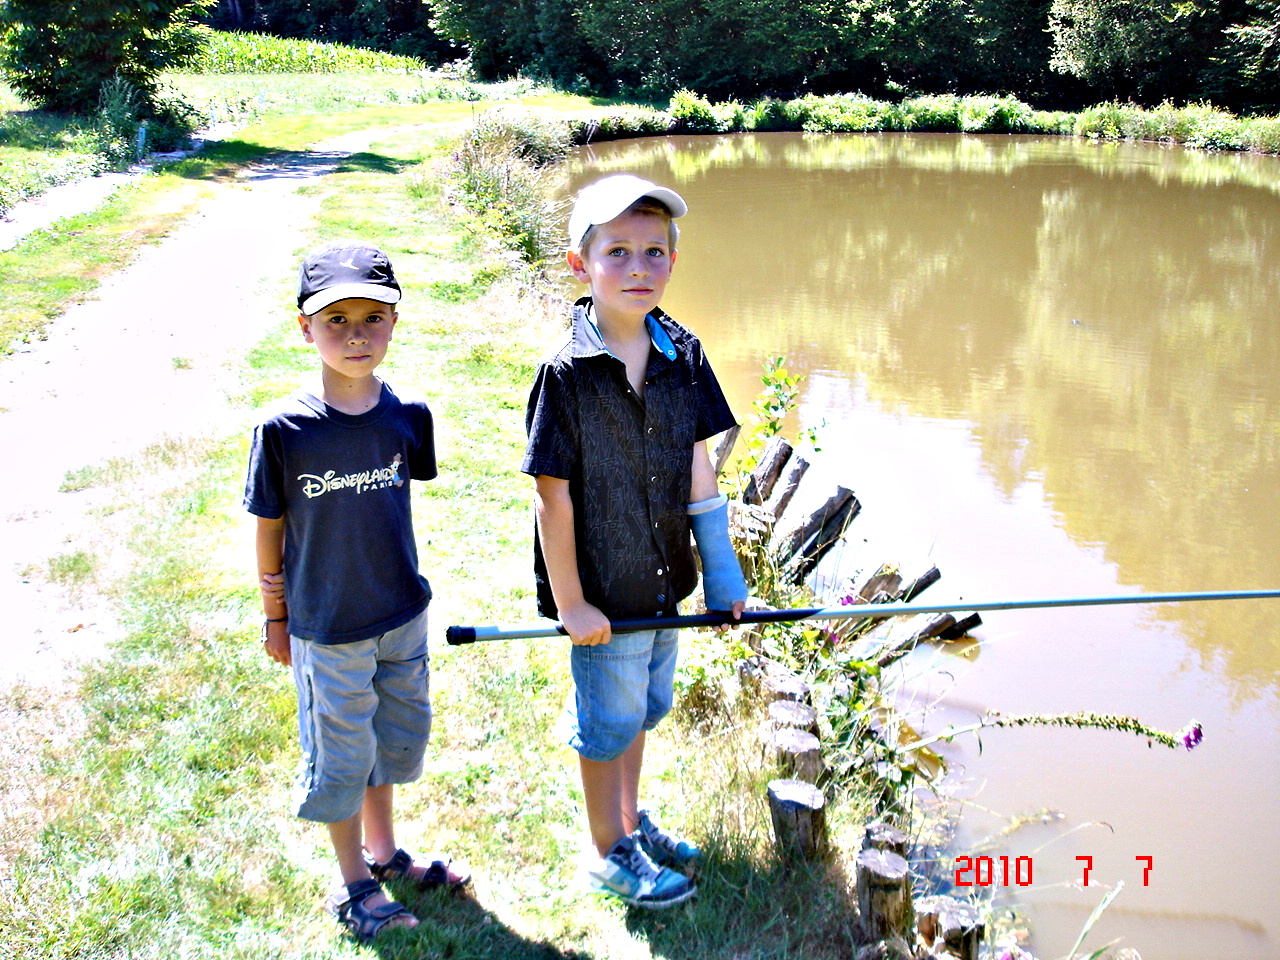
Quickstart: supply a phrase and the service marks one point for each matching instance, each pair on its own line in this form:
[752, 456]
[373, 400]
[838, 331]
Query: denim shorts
[364, 717]
[619, 689]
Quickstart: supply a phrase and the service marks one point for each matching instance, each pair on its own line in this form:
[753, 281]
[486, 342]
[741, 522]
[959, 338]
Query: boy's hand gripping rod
[858, 611]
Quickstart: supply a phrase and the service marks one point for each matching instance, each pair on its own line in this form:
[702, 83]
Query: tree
[59, 53]
[1152, 49]
[1251, 58]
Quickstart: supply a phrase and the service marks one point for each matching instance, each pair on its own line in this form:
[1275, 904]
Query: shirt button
[649, 431]
[653, 479]
[659, 571]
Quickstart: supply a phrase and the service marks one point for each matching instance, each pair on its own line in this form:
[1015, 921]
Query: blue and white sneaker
[664, 849]
[628, 873]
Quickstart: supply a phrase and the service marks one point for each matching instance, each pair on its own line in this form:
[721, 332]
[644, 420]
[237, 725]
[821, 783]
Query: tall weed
[501, 174]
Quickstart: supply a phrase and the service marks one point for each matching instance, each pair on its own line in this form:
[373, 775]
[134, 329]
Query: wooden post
[964, 623]
[783, 492]
[760, 484]
[784, 687]
[832, 529]
[798, 811]
[880, 835]
[806, 529]
[921, 583]
[884, 894]
[950, 922]
[793, 713]
[724, 446]
[798, 753]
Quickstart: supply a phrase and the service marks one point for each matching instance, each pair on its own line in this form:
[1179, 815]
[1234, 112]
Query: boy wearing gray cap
[618, 420]
[345, 605]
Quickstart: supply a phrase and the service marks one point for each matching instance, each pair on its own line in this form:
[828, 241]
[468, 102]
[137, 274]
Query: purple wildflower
[1191, 735]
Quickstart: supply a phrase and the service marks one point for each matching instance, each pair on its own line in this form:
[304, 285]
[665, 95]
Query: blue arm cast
[722, 581]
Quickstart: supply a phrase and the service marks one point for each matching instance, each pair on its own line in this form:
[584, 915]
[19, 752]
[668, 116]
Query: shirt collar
[587, 341]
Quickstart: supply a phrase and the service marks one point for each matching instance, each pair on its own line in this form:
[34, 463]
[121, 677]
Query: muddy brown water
[1048, 366]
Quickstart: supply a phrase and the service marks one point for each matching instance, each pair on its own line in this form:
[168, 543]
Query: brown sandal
[440, 872]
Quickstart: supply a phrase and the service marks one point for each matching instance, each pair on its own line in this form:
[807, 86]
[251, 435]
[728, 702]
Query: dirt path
[149, 358]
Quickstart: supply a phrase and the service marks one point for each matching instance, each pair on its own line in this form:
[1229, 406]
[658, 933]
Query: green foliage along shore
[1195, 125]
[1063, 52]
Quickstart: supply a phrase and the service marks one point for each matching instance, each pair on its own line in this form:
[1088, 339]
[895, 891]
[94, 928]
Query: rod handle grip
[457, 636]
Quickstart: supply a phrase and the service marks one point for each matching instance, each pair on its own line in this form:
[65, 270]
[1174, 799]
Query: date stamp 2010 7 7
[1020, 871]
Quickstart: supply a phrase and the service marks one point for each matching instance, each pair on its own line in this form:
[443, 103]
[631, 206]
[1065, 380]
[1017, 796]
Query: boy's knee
[609, 738]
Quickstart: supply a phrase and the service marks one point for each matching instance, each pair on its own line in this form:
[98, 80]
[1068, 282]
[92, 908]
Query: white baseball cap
[605, 199]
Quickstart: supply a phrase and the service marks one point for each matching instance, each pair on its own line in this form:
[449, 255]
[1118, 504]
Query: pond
[1049, 367]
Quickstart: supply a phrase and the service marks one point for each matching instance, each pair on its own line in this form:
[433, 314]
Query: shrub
[642, 122]
[60, 53]
[1111, 121]
[501, 175]
[769, 115]
[693, 114]
[851, 113]
[932, 114]
[994, 115]
[1218, 131]
[1058, 123]
[1263, 134]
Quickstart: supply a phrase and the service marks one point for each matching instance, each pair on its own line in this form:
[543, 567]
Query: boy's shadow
[744, 910]
[455, 925]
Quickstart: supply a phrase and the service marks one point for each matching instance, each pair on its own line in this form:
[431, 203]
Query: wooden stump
[793, 713]
[946, 921]
[798, 811]
[775, 687]
[884, 894]
[879, 835]
[797, 753]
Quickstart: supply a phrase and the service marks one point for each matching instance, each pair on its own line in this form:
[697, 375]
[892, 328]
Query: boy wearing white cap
[345, 605]
[618, 420]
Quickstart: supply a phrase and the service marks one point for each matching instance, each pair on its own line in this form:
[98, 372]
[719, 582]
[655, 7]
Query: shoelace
[638, 861]
[654, 834]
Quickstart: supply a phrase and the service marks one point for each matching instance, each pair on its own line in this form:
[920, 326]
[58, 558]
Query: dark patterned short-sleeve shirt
[628, 461]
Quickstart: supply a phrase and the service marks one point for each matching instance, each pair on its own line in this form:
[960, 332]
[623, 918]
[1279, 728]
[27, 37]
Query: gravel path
[149, 358]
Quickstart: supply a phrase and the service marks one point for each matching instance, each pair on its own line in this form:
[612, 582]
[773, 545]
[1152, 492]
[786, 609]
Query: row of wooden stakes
[892, 923]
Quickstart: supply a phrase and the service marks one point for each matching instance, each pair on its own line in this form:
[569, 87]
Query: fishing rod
[860, 611]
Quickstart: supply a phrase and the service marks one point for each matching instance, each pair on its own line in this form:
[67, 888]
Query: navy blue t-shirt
[341, 482]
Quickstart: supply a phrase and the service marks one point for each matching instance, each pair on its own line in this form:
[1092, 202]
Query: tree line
[1062, 53]
[1053, 53]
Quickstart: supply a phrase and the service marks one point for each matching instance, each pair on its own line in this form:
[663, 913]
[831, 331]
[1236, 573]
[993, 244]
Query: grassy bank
[156, 821]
